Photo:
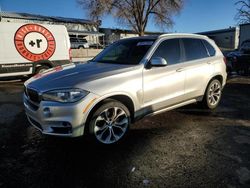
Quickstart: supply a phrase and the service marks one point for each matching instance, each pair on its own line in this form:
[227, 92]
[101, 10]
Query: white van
[27, 49]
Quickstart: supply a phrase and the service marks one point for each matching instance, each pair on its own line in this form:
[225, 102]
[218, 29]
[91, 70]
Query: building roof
[231, 29]
[88, 33]
[16, 15]
[244, 24]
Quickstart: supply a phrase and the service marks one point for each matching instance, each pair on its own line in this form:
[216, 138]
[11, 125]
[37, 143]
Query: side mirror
[158, 62]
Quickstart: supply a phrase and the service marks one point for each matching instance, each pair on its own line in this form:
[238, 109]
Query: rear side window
[194, 49]
[210, 48]
[169, 50]
[82, 40]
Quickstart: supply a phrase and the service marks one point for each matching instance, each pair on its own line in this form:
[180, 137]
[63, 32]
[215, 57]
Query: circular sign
[34, 42]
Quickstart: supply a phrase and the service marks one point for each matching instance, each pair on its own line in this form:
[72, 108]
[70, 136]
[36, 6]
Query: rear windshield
[128, 52]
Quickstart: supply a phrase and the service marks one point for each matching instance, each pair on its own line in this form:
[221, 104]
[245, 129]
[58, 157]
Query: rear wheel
[110, 122]
[212, 95]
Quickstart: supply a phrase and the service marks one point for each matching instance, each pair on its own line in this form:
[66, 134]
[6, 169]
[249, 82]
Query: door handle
[180, 70]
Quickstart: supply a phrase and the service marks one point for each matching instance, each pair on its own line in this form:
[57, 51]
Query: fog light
[66, 124]
[46, 112]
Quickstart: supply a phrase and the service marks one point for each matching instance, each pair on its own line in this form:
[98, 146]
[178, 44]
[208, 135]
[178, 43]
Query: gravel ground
[186, 147]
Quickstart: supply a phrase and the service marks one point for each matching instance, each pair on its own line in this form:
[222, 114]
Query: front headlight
[64, 95]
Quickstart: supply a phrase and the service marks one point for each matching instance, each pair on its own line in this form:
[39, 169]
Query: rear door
[198, 66]
[164, 86]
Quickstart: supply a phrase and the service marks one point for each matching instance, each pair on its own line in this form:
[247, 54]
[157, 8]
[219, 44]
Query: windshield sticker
[145, 43]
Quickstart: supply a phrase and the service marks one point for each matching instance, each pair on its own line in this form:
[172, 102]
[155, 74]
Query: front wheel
[110, 122]
[212, 95]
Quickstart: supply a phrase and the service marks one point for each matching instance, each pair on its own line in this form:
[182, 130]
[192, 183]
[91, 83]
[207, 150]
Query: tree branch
[135, 13]
[243, 15]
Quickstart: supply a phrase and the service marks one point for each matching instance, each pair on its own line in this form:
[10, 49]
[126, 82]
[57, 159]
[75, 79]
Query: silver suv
[128, 80]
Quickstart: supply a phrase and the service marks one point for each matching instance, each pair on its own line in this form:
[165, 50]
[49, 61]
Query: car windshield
[128, 52]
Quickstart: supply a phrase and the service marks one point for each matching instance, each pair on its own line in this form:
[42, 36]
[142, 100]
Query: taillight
[70, 54]
[225, 60]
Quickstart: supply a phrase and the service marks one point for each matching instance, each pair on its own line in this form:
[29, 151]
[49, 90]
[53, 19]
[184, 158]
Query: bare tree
[243, 14]
[134, 13]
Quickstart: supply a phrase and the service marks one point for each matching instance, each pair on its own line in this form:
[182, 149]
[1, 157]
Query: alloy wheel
[110, 125]
[214, 93]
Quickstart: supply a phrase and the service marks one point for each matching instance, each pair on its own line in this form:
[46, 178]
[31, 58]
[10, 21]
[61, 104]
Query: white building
[227, 39]
[112, 35]
[76, 27]
[244, 32]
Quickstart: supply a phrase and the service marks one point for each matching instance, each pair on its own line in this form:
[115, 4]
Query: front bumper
[59, 119]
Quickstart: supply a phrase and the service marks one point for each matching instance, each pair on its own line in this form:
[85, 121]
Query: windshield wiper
[108, 61]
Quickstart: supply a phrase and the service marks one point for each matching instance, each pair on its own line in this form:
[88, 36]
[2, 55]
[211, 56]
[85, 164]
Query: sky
[196, 15]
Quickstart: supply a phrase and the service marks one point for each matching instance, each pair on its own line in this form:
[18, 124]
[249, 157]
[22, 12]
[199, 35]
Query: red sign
[34, 42]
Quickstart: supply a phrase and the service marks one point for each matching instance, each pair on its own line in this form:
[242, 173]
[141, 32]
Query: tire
[110, 122]
[212, 95]
[24, 78]
[41, 69]
[80, 47]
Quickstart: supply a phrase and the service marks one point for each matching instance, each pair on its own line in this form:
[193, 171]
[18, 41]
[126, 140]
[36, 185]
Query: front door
[164, 86]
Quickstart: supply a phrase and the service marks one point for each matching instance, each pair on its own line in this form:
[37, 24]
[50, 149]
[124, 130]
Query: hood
[71, 75]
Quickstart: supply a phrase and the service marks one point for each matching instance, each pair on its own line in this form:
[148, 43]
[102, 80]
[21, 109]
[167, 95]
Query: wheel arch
[218, 77]
[124, 99]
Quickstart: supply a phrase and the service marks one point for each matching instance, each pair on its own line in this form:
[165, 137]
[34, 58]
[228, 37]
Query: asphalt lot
[186, 147]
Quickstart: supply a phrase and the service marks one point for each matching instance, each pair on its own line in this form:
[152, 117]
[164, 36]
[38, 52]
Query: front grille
[33, 95]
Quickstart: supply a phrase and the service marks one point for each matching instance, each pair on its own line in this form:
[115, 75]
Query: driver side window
[169, 50]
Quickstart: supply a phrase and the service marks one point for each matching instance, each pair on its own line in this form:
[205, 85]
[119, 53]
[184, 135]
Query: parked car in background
[128, 80]
[239, 60]
[79, 43]
[96, 46]
[28, 49]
